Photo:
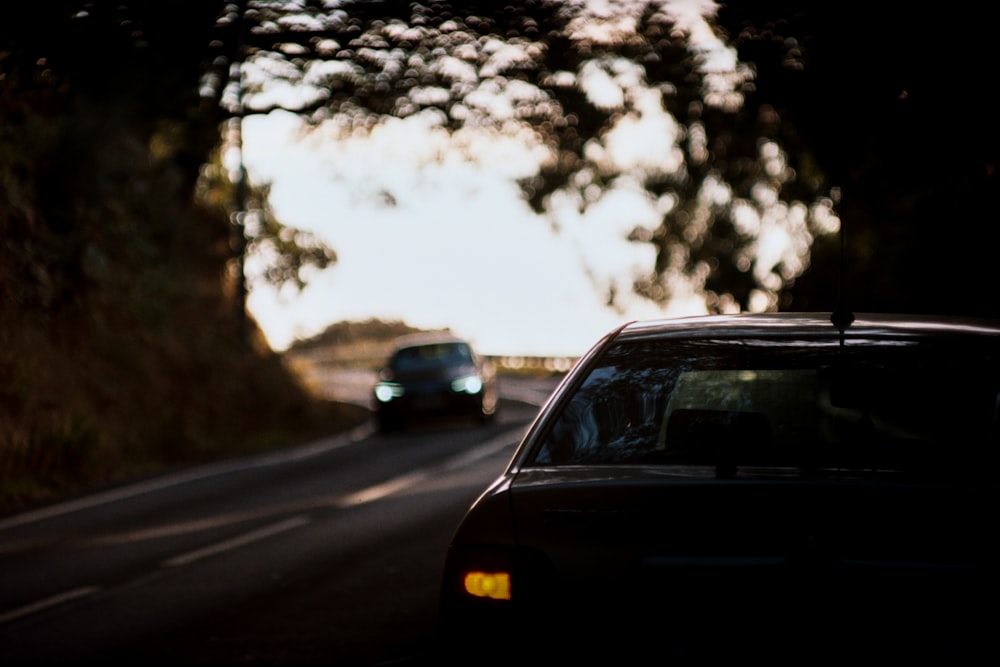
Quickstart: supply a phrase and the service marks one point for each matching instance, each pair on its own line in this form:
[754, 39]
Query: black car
[723, 487]
[434, 374]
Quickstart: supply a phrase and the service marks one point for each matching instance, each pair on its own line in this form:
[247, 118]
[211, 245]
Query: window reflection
[875, 405]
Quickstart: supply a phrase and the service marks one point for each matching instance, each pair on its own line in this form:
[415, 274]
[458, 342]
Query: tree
[578, 82]
[101, 101]
[787, 118]
[893, 105]
[118, 346]
[280, 255]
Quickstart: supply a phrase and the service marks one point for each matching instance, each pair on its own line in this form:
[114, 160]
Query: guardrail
[371, 358]
[540, 364]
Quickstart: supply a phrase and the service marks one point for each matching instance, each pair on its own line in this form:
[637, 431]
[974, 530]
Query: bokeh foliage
[119, 344]
[829, 110]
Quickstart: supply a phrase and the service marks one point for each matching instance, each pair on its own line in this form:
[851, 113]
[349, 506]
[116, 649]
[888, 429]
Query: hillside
[364, 344]
[83, 406]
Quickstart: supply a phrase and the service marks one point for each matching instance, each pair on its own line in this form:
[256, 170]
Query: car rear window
[759, 406]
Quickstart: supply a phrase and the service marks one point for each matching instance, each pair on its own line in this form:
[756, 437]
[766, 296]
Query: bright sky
[459, 248]
[431, 229]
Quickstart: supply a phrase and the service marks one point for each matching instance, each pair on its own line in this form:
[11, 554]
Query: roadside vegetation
[125, 348]
[85, 410]
[85, 404]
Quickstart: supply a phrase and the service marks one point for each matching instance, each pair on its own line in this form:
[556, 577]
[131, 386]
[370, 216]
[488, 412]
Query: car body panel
[767, 478]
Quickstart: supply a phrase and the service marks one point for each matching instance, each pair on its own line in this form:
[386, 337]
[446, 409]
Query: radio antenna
[842, 316]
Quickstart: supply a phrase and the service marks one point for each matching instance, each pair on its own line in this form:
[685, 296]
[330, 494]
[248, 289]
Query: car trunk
[754, 555]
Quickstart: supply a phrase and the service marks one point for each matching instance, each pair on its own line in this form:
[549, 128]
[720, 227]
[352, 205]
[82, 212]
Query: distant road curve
[354, 385]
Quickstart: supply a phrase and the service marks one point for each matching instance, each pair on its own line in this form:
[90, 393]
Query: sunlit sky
[431, 229]
[459, 248]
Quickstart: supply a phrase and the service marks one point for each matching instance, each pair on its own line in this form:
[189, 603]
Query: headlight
[387, 391]
[470, 384]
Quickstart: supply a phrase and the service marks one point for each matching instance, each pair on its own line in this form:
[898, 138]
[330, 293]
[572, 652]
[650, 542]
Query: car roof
[807, 324]
[426, 338]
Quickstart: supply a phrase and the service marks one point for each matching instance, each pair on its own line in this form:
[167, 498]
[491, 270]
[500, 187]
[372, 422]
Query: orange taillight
[495, 585]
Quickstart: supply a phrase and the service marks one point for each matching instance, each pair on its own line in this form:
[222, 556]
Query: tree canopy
[766, 126]
[119, 348]
[102, 115]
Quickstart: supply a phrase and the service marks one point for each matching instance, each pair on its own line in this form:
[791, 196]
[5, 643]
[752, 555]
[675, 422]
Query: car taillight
[481, 574]
[494, 585]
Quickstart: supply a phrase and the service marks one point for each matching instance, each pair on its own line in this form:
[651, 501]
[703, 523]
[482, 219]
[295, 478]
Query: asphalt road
[329, 553]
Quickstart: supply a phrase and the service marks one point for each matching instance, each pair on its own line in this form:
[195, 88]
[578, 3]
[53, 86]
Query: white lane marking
[381, 490]
[305, 451]
[488, 448]
[531, 396]
[402, 482]
[183, 559]
[397, 484]
[384, 489]
[239, 541]
[369, 494]
[42, 605]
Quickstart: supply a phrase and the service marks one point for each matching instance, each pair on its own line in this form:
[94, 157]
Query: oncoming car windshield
[435, 355]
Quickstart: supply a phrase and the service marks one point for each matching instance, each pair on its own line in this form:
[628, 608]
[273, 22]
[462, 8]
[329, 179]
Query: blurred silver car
[723, 487]
[434, 374]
